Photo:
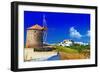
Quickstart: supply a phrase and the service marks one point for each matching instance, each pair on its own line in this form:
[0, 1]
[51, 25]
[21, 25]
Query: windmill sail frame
[44, 32]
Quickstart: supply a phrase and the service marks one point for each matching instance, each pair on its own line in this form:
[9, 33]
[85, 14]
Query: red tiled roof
[36, 27]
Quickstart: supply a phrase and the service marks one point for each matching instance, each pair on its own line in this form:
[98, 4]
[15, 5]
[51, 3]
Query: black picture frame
[14, 35]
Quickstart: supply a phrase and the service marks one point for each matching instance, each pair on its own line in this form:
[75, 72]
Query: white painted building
[66, 43]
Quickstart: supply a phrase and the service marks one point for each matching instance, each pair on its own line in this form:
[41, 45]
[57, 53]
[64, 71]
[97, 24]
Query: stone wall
[34, 38]
[30, 54]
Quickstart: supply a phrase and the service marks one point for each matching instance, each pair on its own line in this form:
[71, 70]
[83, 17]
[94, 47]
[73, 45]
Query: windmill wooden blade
[45, 31]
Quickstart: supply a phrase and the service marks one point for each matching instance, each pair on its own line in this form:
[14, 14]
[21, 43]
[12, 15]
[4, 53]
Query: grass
[73, 52]
[65, 49]
[80, 48]
[73, 48]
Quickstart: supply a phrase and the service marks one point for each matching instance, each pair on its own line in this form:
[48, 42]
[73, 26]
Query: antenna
[45, 31]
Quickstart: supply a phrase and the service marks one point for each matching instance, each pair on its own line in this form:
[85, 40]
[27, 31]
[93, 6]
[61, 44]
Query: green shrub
[65, 49]
[80, 48]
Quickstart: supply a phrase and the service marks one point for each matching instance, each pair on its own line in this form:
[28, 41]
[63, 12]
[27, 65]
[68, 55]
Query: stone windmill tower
[34, 36]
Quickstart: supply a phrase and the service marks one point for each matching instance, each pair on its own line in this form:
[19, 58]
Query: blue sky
[61, 26]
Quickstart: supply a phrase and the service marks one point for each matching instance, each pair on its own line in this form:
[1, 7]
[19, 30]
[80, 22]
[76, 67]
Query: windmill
[45, 32]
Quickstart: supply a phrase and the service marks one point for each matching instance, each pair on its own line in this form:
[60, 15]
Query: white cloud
[88, 33]
[74, 33]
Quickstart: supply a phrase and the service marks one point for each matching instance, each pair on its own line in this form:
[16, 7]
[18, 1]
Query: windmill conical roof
[36, 27]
